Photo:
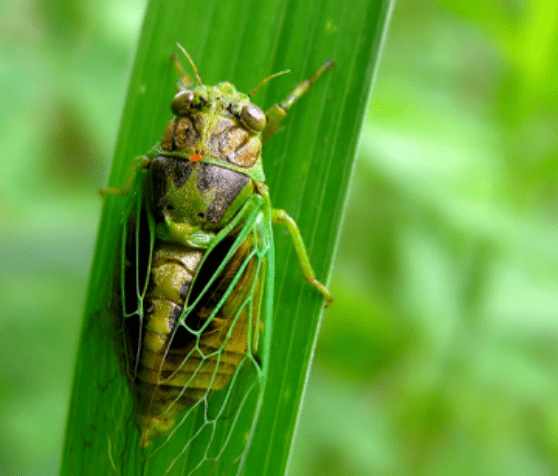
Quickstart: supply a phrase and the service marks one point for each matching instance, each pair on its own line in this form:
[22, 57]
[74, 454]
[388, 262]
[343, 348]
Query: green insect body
[196, 265]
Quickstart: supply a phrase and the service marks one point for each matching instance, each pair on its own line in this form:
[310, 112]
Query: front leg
[137, 164]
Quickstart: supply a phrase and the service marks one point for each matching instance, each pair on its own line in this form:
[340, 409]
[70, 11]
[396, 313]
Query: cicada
[193, 284]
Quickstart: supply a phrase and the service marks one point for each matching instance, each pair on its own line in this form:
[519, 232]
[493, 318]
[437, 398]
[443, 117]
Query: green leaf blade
[308, 164]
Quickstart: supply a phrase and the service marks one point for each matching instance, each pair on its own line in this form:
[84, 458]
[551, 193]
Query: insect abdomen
[179, 363]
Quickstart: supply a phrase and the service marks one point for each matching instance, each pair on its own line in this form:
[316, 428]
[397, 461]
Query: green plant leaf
[308, 164]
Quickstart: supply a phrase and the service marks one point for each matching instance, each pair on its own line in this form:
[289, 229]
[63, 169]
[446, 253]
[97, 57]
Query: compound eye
[181, 102]
[253, 117]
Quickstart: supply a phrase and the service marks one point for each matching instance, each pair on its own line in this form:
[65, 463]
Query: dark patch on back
[229, 184]
[182, 172]
[204, 179]
[161, 167]
[161, 170]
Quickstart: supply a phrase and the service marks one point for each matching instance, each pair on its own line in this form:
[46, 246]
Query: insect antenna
[198, 79]
[269, 78]
[185, 79]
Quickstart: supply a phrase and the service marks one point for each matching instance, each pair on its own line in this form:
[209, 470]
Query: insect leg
[137, 164]
[276, 114]
[280, 217]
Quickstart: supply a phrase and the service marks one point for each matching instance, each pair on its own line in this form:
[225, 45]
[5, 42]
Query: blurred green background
[440, 354]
